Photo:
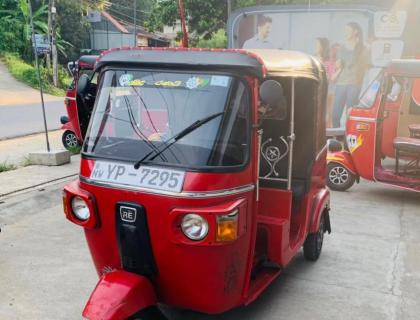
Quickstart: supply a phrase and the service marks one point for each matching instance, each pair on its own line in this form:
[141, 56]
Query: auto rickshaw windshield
[138, 111]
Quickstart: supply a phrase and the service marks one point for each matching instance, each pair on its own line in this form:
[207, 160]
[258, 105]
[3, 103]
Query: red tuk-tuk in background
[205, 211]
[384, 125]
[78, 107]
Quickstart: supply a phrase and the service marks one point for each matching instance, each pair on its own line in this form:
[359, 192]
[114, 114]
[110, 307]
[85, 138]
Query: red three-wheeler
[202, 176]
[382, 133]
[78, 106]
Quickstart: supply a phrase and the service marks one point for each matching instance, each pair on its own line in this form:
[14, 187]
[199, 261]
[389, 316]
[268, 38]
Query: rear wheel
[313, 244]
[69, 140]
[149, 313]
[339, 178]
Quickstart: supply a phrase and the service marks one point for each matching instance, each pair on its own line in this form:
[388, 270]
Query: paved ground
[20, 120]
[13, 92]
[20, 108]
[369, 268]
[16, 150]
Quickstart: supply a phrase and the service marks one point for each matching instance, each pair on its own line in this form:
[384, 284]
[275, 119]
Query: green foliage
[123, 10]
[5, 166]
[27, 73]
[72, 29]
[217, 40]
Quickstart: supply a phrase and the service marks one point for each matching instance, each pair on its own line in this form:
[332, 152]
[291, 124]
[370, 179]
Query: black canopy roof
[194, 59]
[87, 60]
[405, 67]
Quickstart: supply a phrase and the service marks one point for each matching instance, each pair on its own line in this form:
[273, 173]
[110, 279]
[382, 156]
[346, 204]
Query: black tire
[149, 313]
[313, 244]
[339, 178]
[69, 140]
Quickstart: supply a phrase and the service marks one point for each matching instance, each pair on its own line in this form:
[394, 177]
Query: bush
[218, 40]
[28, 74]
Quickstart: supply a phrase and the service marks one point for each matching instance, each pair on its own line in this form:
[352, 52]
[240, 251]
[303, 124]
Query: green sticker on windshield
[125, 79]
[196, 82]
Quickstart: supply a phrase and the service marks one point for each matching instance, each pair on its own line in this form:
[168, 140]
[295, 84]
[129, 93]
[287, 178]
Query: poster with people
[354, 44]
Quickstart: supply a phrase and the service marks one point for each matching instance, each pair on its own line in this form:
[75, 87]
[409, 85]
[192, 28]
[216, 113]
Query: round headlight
[194, 226]
[80, 208]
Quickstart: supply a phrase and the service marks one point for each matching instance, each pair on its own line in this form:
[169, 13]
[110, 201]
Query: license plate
[146, 176]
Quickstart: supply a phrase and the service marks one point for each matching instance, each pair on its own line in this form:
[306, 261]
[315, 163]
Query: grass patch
[75, 150]
[5, 166]
[26, 162]
[27, 73]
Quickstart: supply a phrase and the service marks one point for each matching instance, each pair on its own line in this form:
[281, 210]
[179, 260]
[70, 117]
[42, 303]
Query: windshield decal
[125, 79]
[196, 82]
[137, 83]
[219, 81]
[163, 83]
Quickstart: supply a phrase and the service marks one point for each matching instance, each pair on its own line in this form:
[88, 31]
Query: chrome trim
[365, 119]
[291, 138]
[70, 98]
[321, 152]
[274, 179]
[187, 194]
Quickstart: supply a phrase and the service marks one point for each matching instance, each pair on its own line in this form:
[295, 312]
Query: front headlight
[80, 208]
[195, 227]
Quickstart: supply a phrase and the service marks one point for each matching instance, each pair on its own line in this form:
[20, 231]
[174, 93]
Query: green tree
[72, 28]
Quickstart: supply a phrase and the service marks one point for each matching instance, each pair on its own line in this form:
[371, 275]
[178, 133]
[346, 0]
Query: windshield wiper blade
[157, 152]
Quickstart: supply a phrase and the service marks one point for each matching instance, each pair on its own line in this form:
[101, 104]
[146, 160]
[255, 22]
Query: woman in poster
[325, 55]
[352, 64]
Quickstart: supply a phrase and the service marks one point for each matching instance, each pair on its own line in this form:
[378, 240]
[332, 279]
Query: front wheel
[70, 141]
[339, 178]
[150, 313]
[313, 244]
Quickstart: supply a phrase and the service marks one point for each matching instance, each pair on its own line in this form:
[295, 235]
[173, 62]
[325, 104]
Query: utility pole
[53, 43]
[229, 8]
[135, 23]
[39, 74]
[48, 55]
[181, 9]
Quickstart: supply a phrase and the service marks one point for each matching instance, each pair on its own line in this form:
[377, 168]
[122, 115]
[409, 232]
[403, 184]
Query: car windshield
[138, 111]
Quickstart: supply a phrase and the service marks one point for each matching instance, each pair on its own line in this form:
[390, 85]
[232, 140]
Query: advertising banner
[353, 43]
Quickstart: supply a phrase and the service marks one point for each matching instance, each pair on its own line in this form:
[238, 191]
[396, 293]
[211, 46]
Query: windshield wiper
[157, 152]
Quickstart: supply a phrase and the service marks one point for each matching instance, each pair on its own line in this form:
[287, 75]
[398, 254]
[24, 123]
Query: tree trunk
[53, 45]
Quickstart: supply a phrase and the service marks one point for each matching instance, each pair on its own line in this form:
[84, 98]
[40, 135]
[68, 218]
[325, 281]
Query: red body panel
[71, 107]
[186, 267]
[183, 266]
[361, 139]
[390, 128]
[135, 291]
[344, 158]
[370, 134]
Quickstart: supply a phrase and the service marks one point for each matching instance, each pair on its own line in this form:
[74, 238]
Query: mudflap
[119, 295]
[343, 158]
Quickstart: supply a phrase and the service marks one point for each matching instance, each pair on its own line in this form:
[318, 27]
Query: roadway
[369, 268]
[24, 119]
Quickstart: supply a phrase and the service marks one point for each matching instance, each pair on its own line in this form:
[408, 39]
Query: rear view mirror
[272, 94]
[83, 85]
[71, 67]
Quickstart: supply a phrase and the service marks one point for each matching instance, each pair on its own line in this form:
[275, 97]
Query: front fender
[321, 206]
[118, 295]
[344, 158]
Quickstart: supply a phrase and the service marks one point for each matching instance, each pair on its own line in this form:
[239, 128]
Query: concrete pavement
[15, 151]
[20, 108]
[24, 119]
[14, 92]
[369, 268]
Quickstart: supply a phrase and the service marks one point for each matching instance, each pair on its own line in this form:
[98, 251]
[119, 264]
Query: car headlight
[194, 226]
[80, 208]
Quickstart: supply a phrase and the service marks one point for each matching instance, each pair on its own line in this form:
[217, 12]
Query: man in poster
[260, 40]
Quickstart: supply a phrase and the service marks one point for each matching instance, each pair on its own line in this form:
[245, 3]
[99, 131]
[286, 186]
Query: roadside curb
[25, 135]
[30, 188]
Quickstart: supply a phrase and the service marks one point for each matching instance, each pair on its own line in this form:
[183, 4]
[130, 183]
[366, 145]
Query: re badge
[128, 214]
